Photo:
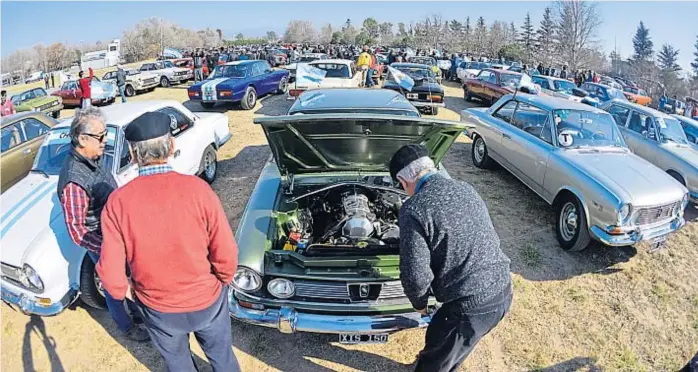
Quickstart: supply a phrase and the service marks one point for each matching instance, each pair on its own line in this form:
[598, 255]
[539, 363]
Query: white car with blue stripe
[43, 271]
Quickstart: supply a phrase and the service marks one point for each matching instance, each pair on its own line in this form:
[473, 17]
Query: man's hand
[129, 294]
[423, 311]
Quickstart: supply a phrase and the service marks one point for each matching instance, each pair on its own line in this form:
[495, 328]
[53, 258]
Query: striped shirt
[75, 203]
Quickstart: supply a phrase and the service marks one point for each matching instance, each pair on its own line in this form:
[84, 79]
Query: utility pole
[162, 39]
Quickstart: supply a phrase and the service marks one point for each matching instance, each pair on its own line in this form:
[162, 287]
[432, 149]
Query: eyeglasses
[98, 137]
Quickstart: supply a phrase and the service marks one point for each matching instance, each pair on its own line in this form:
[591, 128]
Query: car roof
[553, 103]
[643, 109]
[10, 119]
[336, 61]
[344, 98]
[121, 115]
[413, 65]
[690, 121]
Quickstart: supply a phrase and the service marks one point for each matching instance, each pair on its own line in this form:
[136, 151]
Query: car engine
[344, 218]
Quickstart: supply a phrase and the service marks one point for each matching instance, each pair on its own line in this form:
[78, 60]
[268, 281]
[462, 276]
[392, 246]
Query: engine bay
[343, 218]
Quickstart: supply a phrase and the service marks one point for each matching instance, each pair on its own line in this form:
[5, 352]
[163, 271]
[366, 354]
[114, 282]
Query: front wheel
[209, 165]
[571, 227]
[129, 91]
[283, 86]
[164, 82]
[250, 99]
[91, 291]
[480, 156]
[466, 95]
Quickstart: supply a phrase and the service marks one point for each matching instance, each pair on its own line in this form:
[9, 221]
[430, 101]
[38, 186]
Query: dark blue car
[240, 81]
[602, 92]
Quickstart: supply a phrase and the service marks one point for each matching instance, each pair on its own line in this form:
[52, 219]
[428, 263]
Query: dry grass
[618, 309]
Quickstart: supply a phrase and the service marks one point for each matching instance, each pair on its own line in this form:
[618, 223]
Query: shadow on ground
[525, 224]
[574, 364]
[275, 105]
[36, 324]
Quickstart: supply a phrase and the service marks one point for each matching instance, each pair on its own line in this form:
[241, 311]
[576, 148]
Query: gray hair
[413, 170]
[152, 150]
[81, 120]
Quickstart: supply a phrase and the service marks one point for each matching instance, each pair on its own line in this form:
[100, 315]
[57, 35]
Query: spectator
[46, 81]
[84, 84]
[121, 82]
[675, 105]
[198, 65]
[364, 63]
[211, 62]
[181, 268]
[455, 61]
[662, 101]
[53, 81]
[391, 57]
[540, 68]
[7, 108]
[83, 189]
[596, 78]
[563, 73]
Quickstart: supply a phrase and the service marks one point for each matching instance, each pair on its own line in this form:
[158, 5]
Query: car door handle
[506, 135]
[176, 153]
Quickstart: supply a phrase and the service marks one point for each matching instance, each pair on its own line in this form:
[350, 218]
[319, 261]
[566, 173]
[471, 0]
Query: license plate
[412, 95]
[657, 243]
[351, 338]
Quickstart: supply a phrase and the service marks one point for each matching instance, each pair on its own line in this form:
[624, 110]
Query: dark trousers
[454, 331]
[211, 326]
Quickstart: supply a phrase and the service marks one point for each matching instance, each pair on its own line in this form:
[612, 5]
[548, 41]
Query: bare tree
[577, 21]
[300, 32]
[386, 32]
[326, 34]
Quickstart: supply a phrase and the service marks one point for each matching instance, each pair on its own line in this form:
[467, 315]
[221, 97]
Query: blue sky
[22, 26]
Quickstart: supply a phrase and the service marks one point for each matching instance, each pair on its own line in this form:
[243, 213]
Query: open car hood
[352, 142]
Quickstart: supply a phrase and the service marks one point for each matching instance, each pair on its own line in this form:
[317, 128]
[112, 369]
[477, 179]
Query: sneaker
[138, 334]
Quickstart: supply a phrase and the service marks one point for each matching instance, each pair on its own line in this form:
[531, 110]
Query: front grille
[149, 81]
[340, 291]
[181, 73]
[647, 216]
[48, 105]
[11, 273]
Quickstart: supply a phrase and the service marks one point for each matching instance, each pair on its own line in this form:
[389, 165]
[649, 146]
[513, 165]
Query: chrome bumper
[636, 236]
[289, 320]
[28, 306]
[428, 104]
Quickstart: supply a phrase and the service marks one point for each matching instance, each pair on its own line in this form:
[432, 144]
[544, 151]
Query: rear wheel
[466, 94]
[480, 156]
[91, 291]
[434, 110]
[209, 165]
[250, 99]
[571, 227]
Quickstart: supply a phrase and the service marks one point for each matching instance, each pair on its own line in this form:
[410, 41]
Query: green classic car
[22, 135]
[319, 238]
[38, 100]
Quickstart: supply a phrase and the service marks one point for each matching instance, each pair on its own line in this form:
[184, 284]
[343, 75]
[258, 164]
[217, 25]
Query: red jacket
[85, 85]
[172, 232]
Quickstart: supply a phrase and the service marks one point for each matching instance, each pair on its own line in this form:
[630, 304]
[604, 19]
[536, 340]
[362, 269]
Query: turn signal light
[295, 92]
[435, 98]
[193, 94]
[250, 305]
[225, 93]
[44, 301]
[615, 230]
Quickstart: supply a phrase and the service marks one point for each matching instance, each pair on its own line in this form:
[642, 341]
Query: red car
[189, 63]
[490, 85]
[102, 93]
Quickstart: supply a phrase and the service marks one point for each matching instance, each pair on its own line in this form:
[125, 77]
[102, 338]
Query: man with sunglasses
[83, 188]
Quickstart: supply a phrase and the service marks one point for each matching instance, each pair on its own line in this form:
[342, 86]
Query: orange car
[637, 95]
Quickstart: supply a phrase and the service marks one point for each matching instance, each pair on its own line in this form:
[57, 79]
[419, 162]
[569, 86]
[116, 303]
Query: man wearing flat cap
[172, 231]
[448, 249]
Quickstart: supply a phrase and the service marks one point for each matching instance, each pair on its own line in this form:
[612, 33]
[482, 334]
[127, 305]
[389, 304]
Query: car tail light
[193, 94]
[295, 92]
[436, 98]
[225, 93]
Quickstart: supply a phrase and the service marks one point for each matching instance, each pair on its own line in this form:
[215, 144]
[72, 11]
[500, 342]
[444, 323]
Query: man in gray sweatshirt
[448, 249]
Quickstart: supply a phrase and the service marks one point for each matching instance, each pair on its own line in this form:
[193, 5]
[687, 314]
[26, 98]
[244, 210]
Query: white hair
[82, 120]
[152, 150]
[413, 170]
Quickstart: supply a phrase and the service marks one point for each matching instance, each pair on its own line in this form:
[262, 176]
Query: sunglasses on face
[99, 137]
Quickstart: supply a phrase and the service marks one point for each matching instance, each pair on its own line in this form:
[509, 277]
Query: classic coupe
[319, 237]
[22, 134]
[490, 85]
[602, 92]
[562, 88]
[136, 81]
[427, 94]
[167, 72]
[38, 100]
[469, 70]
[239, 81]
[659, 138]
[637, 95]
[339, 73]
[305, 58]
[574, 157]
[429, 61]
[43, 271]
[690, 127]
[101, 93]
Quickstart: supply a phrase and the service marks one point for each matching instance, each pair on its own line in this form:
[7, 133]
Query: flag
[401, 78]
[308, 74]
[528, 83]
[171, 53]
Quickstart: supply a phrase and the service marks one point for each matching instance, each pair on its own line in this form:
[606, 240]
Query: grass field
[611, 309]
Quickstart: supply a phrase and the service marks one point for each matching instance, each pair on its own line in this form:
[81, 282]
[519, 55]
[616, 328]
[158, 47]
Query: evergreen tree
[527, 37]
[546, 37]
[667, 58]
[642, 43]
[481, 36]
[694, 64]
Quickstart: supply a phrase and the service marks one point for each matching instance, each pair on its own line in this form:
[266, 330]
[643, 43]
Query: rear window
[334, 70]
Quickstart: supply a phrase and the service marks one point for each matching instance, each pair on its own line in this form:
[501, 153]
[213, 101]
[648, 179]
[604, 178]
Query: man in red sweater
[84, 84]
[172, 232]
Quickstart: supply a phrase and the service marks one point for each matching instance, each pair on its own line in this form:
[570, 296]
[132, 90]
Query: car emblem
[364, 290]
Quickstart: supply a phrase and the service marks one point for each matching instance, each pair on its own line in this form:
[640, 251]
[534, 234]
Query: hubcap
[250, 99]
[210, 166]
[479, 149]
[569, 221]
[282, 86]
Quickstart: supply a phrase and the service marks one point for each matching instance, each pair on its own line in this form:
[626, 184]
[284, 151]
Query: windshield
[334, 70]
[308, 58]
[587, 129]
[564, 86]
[132, 72]
[510, 79]
[615, 93]
[230, 71]
[56, 147]
[417, 73]
[670, 130]
[28, 95]
[478, 65]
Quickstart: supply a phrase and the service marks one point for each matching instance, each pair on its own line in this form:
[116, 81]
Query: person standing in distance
[448, 248]
[180, 266]
[84, 84]
[121, 82]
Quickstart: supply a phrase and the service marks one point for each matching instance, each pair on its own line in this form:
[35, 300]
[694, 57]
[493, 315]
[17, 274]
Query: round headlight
[624, 213]
[281, 288]
[31, 278]
[247, 280]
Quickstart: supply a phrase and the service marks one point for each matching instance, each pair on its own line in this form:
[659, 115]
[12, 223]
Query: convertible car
[575, 158]
[239, 81]
[319, 237]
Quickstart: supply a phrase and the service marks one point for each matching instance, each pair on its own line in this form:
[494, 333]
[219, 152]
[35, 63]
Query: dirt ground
[618, 309]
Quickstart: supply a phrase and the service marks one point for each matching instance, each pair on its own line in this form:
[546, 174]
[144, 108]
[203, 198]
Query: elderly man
[83, 188]
[449, 249]
[172, 232]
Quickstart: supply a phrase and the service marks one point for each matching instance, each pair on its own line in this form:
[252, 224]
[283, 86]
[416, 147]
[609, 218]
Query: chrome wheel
[210, 165]
[251, 99]
[479, 150]
[98, 285]
[283, 85]
[569, 221]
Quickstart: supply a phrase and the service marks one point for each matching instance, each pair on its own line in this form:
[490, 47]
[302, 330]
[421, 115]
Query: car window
[125, 156]
[39, 93]
[546, 133]
[529, 118]
[639, 122]
[492, 79]
[12, 136]
[484, 75]
[256, 69]
[264, 66]
[33, 128]
[147, 67]
[94, 78]
[179, 123]
[334, 70]
[506, 111]
[543, 83]
[620, 114]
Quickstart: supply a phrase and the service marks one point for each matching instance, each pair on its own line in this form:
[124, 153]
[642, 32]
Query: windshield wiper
[35, 170]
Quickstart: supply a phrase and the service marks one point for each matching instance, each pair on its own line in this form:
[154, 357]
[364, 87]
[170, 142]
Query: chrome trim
[693, 196]
[225, 139]
[636, 236]
[28, 305]
[427, 104]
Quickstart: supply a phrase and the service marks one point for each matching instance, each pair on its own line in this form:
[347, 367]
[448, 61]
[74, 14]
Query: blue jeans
[369, 78]
[122, 88]
[116, 308]
[198, 74]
